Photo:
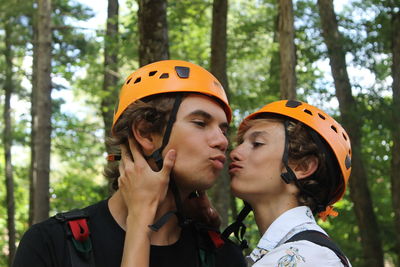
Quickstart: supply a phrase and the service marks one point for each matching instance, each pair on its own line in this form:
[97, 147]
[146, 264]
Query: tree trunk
[287, 50]
[359, 192]
[219, 42]
[221, 190]
[43, 110]
[395, 164]
[274, 63]
[33, 115]
[110, 88]
[153, 31]
[7, 140]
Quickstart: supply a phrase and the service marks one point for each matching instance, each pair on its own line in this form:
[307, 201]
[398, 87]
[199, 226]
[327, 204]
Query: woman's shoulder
[300, 253]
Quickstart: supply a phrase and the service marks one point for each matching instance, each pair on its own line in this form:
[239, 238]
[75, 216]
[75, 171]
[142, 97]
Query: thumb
[169, 162]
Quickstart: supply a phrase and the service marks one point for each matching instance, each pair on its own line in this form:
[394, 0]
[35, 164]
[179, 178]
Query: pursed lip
[220, 158]
[233, 167]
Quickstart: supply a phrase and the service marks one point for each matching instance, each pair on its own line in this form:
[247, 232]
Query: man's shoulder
[230, 254]
[226, 253]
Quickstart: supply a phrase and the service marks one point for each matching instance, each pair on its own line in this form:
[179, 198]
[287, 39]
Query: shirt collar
[283, 225]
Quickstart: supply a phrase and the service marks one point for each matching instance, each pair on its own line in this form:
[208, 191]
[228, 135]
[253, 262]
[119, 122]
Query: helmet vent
[308, 112]
[183, 72]
[138, 80]
[334, 128]
[321, 116]
[128, 81]
[151, 73]
[164, 76]
[347, 162]
[344, 136]
[293, 103]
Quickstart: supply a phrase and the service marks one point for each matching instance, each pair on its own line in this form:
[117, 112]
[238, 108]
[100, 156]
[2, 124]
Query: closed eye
[257, 144]
[199, 123]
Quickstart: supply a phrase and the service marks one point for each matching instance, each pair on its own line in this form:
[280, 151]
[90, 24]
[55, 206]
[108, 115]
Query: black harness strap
[78, 257]
[322, 240]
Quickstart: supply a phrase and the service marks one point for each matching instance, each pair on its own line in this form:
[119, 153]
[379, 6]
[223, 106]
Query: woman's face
[257, 162]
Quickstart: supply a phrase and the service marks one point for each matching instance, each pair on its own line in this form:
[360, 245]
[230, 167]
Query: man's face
[199, 138]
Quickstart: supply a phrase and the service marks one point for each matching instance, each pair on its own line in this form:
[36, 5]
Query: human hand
[201, 209]
[141, 187]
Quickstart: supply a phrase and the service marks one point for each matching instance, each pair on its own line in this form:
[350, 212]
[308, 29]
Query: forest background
[60, 79]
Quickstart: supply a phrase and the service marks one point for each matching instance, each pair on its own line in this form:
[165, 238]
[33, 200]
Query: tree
[287, 50]
[359, 192]
[153, 31]
[43, 111]
[111, 77]
[7, 137]
[219, 42]
[221, 193]
[395, 164]
[34, 104]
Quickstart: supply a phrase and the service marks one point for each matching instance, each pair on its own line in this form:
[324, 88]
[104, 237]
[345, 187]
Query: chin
[197, 185]
[235, 190]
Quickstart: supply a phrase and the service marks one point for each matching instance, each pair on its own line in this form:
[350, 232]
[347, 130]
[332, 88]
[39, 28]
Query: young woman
[292, 162]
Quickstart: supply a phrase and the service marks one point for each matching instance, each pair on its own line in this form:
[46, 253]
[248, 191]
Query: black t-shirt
[45, 245]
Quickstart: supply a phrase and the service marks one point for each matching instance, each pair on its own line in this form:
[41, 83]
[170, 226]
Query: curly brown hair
[320, 189]
[153, 109]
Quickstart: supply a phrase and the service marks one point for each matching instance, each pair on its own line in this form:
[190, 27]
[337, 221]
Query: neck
[168, 234]
[266, 211]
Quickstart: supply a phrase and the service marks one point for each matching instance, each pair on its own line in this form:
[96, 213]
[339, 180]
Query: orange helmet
[327, 127]
[169, 76]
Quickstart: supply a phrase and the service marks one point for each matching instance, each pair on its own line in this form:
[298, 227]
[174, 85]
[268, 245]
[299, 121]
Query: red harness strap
[79, 229]
[216, 239]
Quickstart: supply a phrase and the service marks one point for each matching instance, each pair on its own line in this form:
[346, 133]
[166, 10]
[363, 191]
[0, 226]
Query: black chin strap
[238, 227]
[157, 156]
[289, 175]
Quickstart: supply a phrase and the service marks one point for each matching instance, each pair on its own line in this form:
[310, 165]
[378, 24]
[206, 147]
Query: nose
[235, 154]
[219, 140]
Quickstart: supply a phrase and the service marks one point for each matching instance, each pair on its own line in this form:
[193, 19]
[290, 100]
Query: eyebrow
[256, 134]
[207, 116]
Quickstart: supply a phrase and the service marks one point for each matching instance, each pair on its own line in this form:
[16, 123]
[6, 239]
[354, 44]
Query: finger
[125, 155]
[135, 152]
[169, 162]
[121, 168]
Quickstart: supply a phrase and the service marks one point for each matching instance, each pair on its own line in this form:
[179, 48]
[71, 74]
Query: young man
[170, 106]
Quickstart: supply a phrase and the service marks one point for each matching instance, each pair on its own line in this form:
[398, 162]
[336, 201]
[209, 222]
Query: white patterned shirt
[272, 250]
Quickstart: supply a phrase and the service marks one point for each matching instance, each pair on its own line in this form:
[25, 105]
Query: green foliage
[189, 25]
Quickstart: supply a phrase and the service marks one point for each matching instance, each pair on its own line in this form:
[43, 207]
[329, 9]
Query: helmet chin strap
[157, 156]
[289, 176]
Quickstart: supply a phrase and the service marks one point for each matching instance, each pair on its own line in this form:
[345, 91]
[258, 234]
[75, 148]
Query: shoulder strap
[78, 239]
[322, 240]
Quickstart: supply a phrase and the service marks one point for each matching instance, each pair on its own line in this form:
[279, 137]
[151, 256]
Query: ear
[148, 141]
[306, 167]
